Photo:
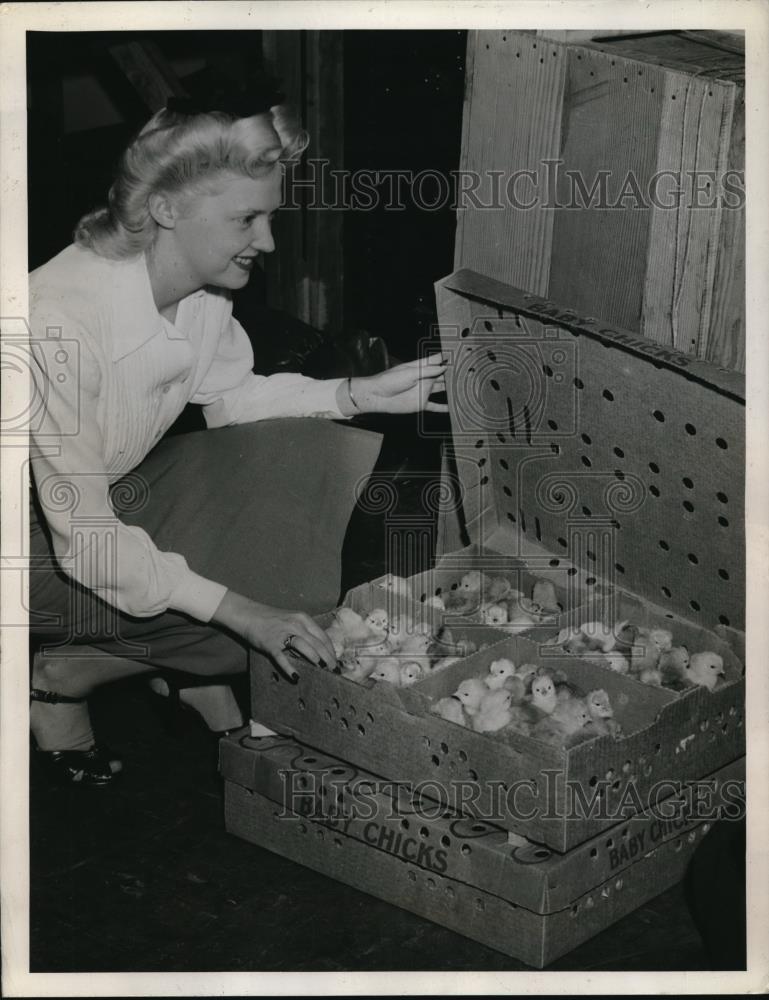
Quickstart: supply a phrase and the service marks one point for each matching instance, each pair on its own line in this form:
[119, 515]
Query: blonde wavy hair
[177, 153]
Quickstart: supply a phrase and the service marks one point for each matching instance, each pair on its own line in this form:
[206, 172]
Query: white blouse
[113, 375]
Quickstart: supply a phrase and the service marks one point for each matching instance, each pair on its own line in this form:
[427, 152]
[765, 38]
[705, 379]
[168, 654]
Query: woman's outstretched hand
[267, 629]
[404, 389]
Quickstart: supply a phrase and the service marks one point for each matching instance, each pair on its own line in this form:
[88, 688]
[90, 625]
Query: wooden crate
[468, 875]
[642, 116]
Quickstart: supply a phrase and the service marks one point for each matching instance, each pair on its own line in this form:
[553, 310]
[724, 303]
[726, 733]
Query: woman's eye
[247, 220]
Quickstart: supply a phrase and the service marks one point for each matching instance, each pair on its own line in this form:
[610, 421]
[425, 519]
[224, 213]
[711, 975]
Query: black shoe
[176, 715]
[96, 766]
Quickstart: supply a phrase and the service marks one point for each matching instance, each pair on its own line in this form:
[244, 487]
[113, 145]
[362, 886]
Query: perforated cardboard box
[469, 875]
[609, 465]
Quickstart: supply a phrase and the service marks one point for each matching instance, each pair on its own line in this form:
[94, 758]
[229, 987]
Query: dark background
[402, 109]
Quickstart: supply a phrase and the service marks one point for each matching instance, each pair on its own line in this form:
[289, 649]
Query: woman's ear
[163, 210]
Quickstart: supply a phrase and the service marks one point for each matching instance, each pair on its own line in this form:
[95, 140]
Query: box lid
[579, 445]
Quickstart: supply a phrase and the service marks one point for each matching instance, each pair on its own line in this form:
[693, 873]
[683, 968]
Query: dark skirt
[262, 508]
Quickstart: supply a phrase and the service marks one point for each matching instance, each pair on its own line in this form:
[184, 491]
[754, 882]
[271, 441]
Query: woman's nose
[262, 240]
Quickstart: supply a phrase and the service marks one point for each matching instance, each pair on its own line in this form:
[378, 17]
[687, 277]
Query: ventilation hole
[487, 325]
[586, 461]
[654, 490]
[504, 464]
[619, 453]
[723, 574]
[690, 429]
[473, 775]
[537, 529]
[619, 567]
[619, 474]
[571, 571]
[484, 480]
[724, 522]
[507, 491]
[500, 437]
[479, 443]
[481, 462]
[555, 562]
[664, 545]
[694, 605]
[687, 505]
[361, 730]
[723, 620]
[579, 383]
[594, 853]
[587, 439]
[721, 443]
[591, 555]
[688, 483]
[587, 512]
[654, 467]
[491, 356]
[445, 841]
[462, 756]
[465, 332]
[494, 384]
[666, 591]
[722, 497]
[511, 517]
[552, 425]
[563, 543]
[547, 370]
[590, 581]
[555, 448]
[608, 395]
[659, 415]
[435, 759]
[523, 520]
[692, 558]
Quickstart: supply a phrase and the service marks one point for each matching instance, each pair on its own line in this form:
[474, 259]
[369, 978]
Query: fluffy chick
[471, 692]
[494, 614]
[495, 588]
[543, 694]
[397, 584]
[355, 669]
[706, 669]
[498, 673]
[389, 671]
[544, 594]
[493, 712]
[450, 709]
[411, 672]
[354, 627]
[673, 666]
[378, 621]
[601, 713]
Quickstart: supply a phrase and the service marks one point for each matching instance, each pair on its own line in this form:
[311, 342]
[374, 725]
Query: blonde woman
[141, 305]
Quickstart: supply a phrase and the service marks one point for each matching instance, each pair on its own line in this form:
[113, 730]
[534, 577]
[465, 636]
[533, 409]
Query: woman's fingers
[282, 661]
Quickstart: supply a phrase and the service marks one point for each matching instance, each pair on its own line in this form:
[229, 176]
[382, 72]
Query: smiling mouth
[245, 263]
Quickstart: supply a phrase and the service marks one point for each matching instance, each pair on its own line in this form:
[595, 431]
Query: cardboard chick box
[467, 874]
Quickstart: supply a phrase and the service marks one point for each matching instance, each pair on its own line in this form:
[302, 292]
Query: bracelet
[349, 393]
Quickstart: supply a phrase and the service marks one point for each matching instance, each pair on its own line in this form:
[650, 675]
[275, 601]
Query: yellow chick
[527, 672]
[662, 638]
[378, 621]
[471, 692]
[451, 710]
[706, 669]
[495, 588]
[645, 654]
[517, 688]
[354, 627]
[387, 671]
[411, 672]
[493, 712]
[601, 713]
[499, 671]
[652, 676]
[673, 666]
[336, 634]
[543, 694]
[567, 719]
[355, 670]
[544, 594]
[471, 582]
[397, 585]
[615, 661]
[494, 614]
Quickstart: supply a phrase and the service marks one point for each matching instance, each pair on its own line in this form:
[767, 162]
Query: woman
[142, 300]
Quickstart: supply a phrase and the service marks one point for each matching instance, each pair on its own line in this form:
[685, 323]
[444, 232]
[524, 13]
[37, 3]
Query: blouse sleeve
[231, 393]
[119, 562]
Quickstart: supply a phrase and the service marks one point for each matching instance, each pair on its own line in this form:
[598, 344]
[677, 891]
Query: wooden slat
[726, 338]
[611, 120]
[678, 289]
[512, 123]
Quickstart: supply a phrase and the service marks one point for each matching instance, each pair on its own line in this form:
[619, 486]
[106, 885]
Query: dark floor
[142, 876]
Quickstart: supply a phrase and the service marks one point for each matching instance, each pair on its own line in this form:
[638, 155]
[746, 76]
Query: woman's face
[218, 236]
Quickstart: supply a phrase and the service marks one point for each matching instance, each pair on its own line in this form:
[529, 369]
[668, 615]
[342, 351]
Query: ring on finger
[288, 642]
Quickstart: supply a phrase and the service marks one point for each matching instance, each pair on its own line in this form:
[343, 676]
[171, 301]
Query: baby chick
[543, 695]
[354, 627]
[378, 621]
[471, 582]
[436, 602]
[493, 712]
[471, 692]
[527, 672]
[568, 718]
[662, 638]
[450, 709]
[544, 594]
[651, 676]
[706, 669]
[673, 666]
[498, 673]
[495, 588]
[517, 687]
[645, 653]
[601, 713]
[411, 672]
[494, 614]
[389, 671]
[336, 634]
[397, 584]
[354, 669]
